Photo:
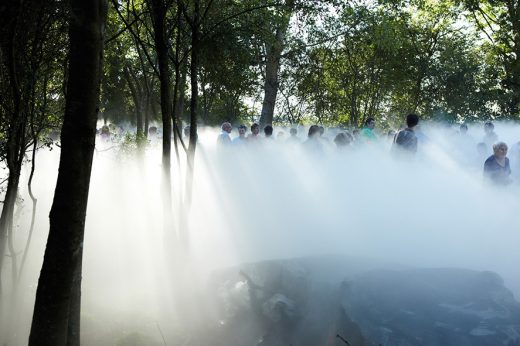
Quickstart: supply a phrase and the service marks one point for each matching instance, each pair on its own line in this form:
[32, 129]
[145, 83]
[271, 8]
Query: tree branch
[127, 27]
[137, 38]
[238, 14]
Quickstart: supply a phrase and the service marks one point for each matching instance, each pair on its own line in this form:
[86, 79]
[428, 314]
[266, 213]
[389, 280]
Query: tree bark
[6, 219]
[272, 68]
[138, 98]
[14, 43]
[159, 22]
[56, 310]
[194, 68]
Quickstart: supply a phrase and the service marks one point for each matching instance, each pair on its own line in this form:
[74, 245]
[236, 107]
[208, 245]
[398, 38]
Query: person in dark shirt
[406, 140]
[343, 140]
[313, 143]
[268, 131]
[496, 167]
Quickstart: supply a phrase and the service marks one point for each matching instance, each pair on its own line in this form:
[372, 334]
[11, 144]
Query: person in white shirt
[223, 138]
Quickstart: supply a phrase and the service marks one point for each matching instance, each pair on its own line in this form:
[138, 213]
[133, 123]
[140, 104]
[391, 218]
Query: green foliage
[131, 143]
[33, 62]
[499, 22]
[342, 62]
[386, 60]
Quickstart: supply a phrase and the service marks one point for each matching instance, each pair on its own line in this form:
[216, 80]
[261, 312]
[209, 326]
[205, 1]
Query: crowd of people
[404, 143]
[496, 167]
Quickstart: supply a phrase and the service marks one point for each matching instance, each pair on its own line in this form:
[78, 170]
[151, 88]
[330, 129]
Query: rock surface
[337, 301]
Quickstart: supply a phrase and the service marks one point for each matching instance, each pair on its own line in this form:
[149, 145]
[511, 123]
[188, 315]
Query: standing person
[105, 133]
[515, 155]
[268, 131]
[343, 140]
[255, 130]
[313, 143]
[463, 136]
[293, 138]
[186, 133]
[241, 139]
[406, 140]
[355, 135]
[496, 167]
[463, 130]
[223, 138]
[367, 133]
[490, 136]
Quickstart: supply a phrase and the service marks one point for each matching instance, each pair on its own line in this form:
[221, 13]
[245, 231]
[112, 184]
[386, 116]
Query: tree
[499, 21]
[274, 47]
[29, 50]
[56, 311]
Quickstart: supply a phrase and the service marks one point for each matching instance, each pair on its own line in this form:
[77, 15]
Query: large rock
[432, 307]
[332, 301]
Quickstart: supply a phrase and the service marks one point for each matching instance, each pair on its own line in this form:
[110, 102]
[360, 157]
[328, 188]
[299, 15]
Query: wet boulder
[338, 301]
[432, 307]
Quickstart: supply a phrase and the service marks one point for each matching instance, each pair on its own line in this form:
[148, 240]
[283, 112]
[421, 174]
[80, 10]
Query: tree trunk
[274, 54]
[179, 109]
[138, 101]
[56, 310]
[16, 141]
[159, 17]
[272, 67]
[6, 219]
[139, 115]
[194, 67]
[146, 115]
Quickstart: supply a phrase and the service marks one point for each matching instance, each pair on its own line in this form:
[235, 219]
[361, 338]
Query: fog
[268, 201]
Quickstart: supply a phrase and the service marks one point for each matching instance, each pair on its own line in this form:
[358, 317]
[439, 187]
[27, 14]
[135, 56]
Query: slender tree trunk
[24, 32]
[139, 110]
[14, 135]
[132, 88]
[33, 213]
[176, 116]
[178, 88]
[271, 84]
[178, 108]
[146, 115]
[181, 94]
[272, 68]
[159, 16]
[15, 150]
[514, 13]
[137, 96]
[6, 219]
[194, 67]
[56, 310]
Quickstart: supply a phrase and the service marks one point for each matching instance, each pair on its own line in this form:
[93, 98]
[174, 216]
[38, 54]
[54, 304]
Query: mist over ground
[269, 201]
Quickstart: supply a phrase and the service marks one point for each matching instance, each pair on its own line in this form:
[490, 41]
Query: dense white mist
[270, 201]
[432, 211]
